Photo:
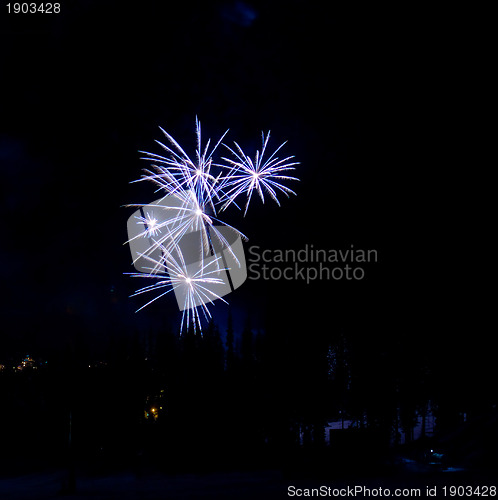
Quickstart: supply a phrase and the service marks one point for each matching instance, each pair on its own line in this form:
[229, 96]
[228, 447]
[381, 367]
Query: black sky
[367, 100]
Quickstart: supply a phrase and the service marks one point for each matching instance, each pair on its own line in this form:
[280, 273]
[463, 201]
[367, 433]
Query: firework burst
[246, 176]
[177, 172]
[195, 287]
[182, 215]
[185, 219]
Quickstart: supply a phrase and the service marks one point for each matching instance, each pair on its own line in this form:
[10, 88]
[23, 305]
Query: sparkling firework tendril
[150, 222]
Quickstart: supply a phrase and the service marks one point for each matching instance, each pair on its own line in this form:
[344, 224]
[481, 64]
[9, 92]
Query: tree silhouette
[246, 348]
[213, 352]
[230, 355]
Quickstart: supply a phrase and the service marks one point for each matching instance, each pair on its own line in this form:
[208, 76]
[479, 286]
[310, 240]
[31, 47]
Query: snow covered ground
[234, 486]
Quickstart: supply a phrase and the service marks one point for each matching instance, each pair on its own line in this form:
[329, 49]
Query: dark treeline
[256, 398]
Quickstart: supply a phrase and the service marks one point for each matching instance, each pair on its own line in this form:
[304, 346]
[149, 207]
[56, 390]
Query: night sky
[88, 89]
[362, 100]
[372, 102]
